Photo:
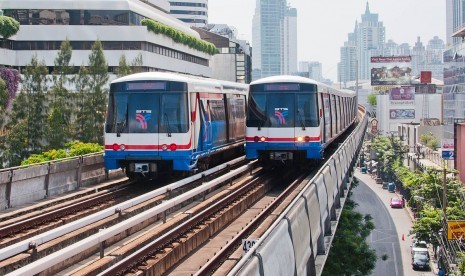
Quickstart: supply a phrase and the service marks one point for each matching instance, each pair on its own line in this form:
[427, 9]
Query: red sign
[425, 77]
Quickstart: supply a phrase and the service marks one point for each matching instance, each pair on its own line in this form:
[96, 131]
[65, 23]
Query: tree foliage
[25, 131]
[350, 254]
[429, 140]
[371, 99]
[92, 85]
[125, 69]
[60, 111]
[8, 26]
[74, 148]
[180, 37]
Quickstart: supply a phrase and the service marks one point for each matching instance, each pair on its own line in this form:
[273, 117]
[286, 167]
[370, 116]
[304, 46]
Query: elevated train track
[111, 249]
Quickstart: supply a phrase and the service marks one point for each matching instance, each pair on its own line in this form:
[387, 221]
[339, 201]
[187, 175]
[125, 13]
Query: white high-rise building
[370, 38]
[44, 24]
[274, 39]
[290, 42]
[192, 12]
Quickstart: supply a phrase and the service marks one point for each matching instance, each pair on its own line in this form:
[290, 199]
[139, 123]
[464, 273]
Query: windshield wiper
[120, 125]
[168, 126]
[302, 123]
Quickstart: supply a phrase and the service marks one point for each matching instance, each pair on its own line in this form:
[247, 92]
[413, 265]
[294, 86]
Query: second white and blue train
[293, 119]
[165, 122]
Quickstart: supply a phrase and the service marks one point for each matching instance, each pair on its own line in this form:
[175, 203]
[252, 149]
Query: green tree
[81, 83]
[95, 102]
[137, 64]
[371, 99]
[3, 100]
[350, 254]
[429, 140]
[26, 127]
[8, 26]
[123, 67]
[59, 119]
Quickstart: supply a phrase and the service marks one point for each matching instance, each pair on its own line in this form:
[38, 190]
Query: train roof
[168, 76]
[294, 79]
[284, 78]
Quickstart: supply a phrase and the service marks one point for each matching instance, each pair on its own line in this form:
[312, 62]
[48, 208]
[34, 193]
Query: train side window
[256, 111]
[117, 115]
[173, 116]
[307, 110]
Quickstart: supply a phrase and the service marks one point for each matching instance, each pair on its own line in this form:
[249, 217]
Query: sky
[323, 25]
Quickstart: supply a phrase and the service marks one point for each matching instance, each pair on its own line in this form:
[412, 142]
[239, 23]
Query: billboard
[455, 230]
[402, 113]
[404, 93]
[394, 70]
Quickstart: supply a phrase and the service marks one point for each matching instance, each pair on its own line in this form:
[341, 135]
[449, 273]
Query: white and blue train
[292, 119]
[165, 122]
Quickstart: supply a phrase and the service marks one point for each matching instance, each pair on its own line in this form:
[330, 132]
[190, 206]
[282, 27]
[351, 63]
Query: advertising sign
[455, 230]
[394, 70]
[447, 146]
[403, 93]
[425, 77]
[402, 113]
[381, 90]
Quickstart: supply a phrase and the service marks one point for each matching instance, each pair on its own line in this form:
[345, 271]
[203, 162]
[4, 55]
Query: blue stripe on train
[314, 149]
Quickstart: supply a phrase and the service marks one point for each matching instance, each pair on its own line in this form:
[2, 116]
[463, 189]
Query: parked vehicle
[396, 202]
[419, 246]
[420, 259]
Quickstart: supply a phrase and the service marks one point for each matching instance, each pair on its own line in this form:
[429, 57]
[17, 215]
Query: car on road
[396, 202]
[420, 260]
[419, 246]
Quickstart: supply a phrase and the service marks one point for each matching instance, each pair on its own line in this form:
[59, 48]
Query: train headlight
[173, 147]
[164, 147]
[122, 147]
[262, 139]
[299, 139]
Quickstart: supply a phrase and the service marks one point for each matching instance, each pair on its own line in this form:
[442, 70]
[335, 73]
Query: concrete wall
[299, 240]
[22, 185]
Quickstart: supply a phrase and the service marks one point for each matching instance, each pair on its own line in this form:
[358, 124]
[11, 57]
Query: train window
[281, 110]
[333, 116]
[173, 115]
[116, 121]
[142, 111]
[307, 110]
[217, 110]
[256, 112]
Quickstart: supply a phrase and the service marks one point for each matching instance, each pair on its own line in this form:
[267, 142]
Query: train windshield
[147, 112]
[282, 109]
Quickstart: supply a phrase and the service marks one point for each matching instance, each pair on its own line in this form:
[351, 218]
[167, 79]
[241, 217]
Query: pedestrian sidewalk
[371, 181]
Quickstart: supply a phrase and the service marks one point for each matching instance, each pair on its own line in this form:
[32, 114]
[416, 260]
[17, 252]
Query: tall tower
[347, 66]
[274, 39]
[370, 39]
[290, 42]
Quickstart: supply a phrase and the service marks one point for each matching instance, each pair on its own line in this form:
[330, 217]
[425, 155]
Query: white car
[419, 246]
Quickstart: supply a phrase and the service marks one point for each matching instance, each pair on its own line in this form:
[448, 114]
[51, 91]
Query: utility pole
[444, 187]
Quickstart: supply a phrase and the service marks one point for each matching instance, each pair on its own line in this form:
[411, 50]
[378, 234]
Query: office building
[192, 12]
[116, 23]
[274, 39]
